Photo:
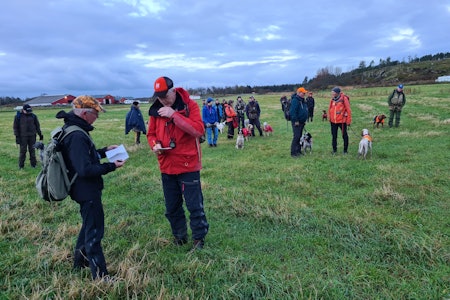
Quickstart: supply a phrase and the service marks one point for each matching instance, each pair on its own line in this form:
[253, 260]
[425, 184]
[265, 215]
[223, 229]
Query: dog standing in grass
[267, 129]
[306, 142]
[324, 115]
[40, 146]
[365, 144]
[240, 140]
[379, 119]
[220, 126]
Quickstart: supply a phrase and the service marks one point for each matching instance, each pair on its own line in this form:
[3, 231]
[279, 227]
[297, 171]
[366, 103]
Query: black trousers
[334, 133]
[88, 250]
[257, 124]
[297, 134]
[26, 144]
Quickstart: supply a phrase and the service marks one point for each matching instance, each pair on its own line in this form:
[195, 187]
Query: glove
[208, 125]
[17, 140]
[41, 137]
[296, 124]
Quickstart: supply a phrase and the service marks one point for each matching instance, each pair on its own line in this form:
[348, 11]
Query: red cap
[161, 86]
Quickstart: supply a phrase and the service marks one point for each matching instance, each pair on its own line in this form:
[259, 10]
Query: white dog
[365, 144]
[240, 140]
[220, 126]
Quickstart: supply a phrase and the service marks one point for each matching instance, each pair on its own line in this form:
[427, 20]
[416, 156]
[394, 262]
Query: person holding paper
[82, 158]
[175, 123]
[134, 121]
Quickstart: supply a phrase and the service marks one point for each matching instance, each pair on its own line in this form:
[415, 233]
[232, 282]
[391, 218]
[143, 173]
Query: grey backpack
[52, 182]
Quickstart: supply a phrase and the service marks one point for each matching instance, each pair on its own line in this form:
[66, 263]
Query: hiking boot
[180, 241]
[198, 245]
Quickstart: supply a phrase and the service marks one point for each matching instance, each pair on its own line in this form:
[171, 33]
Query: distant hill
[391, 73]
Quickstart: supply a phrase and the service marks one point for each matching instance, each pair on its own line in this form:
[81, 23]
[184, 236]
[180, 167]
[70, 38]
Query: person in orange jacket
[231, 118]
[340, 116]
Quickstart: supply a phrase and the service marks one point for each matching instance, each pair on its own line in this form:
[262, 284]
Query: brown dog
[377, 120]
[324, 115]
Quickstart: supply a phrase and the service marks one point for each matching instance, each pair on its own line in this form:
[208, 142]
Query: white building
[443, 79]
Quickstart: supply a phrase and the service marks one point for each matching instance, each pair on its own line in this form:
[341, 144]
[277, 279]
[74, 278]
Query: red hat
[162, 86]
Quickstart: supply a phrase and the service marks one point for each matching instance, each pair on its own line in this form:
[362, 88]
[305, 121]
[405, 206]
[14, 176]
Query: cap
[27, 108]
[336, 90]
[85, 101]
[210, 100]
[301, 90]
[162, 86]
[400, 86]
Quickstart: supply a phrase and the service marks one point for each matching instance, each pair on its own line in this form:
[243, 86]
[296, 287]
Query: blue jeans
[187, 186]
[212, 133]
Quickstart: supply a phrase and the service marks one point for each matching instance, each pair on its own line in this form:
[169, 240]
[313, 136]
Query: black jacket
[81, 157]
[26, 125]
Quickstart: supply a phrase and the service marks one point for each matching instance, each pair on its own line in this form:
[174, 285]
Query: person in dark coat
[82, 158]
[26, 126]
[310, 102]
[134, 121]
[253, 112]
[396, 101]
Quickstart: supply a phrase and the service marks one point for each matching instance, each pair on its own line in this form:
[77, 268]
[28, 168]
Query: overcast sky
[120, 47]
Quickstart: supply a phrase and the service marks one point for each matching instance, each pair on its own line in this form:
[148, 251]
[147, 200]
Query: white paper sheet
[119, 153]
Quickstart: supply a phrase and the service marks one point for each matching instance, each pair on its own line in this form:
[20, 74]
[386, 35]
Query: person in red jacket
[340, 116]
[174, 132]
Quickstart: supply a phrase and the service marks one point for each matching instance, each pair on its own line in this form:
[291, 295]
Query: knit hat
[161, 86]
[209, 100]
[400, 86]
[27, 108]
[87, 102]
[337, 90]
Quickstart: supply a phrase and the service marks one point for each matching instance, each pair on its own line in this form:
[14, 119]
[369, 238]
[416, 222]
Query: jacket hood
[72, 119]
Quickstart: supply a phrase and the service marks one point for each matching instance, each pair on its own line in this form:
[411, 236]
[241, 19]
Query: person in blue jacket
[134, 121]
[210, 120]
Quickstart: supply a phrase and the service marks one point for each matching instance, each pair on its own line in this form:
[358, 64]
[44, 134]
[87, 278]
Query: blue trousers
[187, 186]
[212, 133]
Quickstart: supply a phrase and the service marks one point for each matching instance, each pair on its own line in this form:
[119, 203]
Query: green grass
[319, 227]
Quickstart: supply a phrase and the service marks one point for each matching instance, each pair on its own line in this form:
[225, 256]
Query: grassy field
[318, 227]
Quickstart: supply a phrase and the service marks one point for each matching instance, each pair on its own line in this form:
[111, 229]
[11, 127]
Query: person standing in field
[299, 114]
[240, 111]
[253, 112]
[135, 122]
[174, 132]
[396, 101]
[340, 116]
[310, 103]
[25, 126]
[210, 119]
[82, 158]
[231, 118]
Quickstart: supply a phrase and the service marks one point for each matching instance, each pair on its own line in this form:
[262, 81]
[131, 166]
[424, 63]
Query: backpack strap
[68, 130]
